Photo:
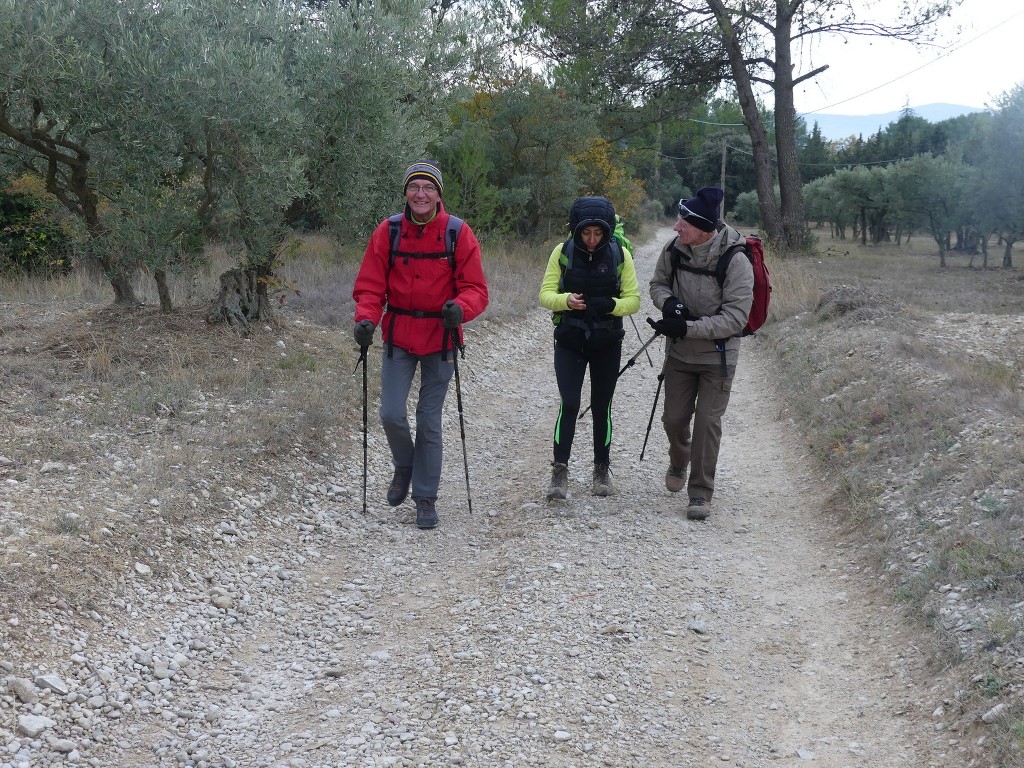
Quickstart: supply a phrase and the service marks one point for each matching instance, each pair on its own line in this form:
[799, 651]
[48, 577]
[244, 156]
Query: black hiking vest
[600, 277]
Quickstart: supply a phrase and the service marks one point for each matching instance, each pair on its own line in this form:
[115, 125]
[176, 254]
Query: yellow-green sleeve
[629, 291]
[550, 298]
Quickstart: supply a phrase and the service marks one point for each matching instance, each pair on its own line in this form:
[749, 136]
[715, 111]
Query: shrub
[33, 236]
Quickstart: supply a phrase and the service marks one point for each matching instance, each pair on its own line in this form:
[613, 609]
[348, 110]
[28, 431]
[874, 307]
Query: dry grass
[908, 382]
[104, 410]
[139, 405]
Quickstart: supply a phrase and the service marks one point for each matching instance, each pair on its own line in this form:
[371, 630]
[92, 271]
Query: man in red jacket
[421, 278]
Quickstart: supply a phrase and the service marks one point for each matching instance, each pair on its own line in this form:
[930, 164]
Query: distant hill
[837, 127]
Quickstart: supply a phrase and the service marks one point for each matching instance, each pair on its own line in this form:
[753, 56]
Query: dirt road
[606, 632]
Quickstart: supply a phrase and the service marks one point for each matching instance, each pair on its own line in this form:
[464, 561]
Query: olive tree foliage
[377, 80]
[746, 211]
[999, 191]
[64, 113]
[882, 203]
[229, 125]
[930, 191]
[134, 113]
[851, 197]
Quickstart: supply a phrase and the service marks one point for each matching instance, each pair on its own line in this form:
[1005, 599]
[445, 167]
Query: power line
[834, 164]
[917, 69]
[708, 122]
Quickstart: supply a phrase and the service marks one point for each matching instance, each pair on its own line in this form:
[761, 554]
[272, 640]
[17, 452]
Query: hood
[591, 211]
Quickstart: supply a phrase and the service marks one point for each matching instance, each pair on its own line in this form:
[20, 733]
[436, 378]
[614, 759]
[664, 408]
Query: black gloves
[673, 327]
[673, 308]
[599, 305]
[363, 333]
[451, 314]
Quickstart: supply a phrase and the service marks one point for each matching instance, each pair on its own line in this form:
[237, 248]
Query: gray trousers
[697, 394]
[423, 455]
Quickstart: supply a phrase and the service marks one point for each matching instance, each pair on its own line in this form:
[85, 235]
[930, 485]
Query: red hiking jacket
[419, 284]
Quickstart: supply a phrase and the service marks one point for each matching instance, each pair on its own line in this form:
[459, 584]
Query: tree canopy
[161, 128]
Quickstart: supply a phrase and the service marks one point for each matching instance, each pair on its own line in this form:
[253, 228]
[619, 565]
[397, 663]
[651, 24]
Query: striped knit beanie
[427, 170]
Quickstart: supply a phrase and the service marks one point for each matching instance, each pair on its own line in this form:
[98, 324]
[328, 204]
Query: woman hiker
[589, 285]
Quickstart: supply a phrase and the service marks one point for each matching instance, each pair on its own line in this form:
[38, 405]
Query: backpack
[753, 249]
[451, 236]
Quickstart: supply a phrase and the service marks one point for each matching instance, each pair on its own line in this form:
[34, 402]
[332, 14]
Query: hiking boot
[675, 479]
[698, 509]
[559, 487]
[602, 480]
[426, 515]
[399, 487]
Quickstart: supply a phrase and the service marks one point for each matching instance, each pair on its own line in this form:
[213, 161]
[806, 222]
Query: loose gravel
[590, 632]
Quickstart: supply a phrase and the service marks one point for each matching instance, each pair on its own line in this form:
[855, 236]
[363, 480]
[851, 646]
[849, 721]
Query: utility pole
[721, 213]
[657, 154]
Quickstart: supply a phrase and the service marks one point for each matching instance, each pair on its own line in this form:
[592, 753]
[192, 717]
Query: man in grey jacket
[701, 320]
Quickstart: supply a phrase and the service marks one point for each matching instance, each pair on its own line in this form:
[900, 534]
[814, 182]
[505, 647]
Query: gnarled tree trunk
[162, 289]
[242, 299]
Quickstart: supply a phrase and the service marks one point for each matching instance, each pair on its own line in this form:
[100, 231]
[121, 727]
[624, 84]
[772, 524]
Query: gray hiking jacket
[722, 311]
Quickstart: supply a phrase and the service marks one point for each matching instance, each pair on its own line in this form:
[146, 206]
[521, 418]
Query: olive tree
[133, 112]
[1000, 189]
[63, 116]
[931, 190]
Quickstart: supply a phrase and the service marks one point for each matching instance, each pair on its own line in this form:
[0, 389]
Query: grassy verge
[908, 383]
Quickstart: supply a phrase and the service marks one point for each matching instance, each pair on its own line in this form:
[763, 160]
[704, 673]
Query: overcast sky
[868, 76]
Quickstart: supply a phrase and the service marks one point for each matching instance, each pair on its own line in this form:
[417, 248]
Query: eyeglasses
[425, 188]
[684, 212]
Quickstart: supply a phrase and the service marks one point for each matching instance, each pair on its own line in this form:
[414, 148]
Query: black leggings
[570, 367]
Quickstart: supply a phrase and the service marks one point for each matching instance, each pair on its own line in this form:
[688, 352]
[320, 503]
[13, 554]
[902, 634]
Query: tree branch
[809, 75]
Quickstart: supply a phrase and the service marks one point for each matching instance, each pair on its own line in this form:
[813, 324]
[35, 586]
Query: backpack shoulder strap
[617, 255]
[451, 238]
[565, 262]
[395, 235]
[618, 259]
[725, 259]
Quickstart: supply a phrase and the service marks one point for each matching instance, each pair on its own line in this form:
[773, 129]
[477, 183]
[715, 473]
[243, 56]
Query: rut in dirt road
[594, 631]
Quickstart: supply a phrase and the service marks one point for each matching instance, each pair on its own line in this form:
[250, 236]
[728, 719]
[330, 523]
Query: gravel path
[591, 632]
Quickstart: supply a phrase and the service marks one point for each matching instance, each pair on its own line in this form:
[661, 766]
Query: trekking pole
[641, 339]
[629, 364]
[362, 359]
[456, 350]
[462, 424]
[657, 394]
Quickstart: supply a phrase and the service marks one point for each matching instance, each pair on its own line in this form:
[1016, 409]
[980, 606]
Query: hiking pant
[696, 393]
[570, 368]
[423, 455]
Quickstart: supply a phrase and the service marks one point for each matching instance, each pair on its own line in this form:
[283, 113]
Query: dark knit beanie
[701, 210]
[426, 170]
